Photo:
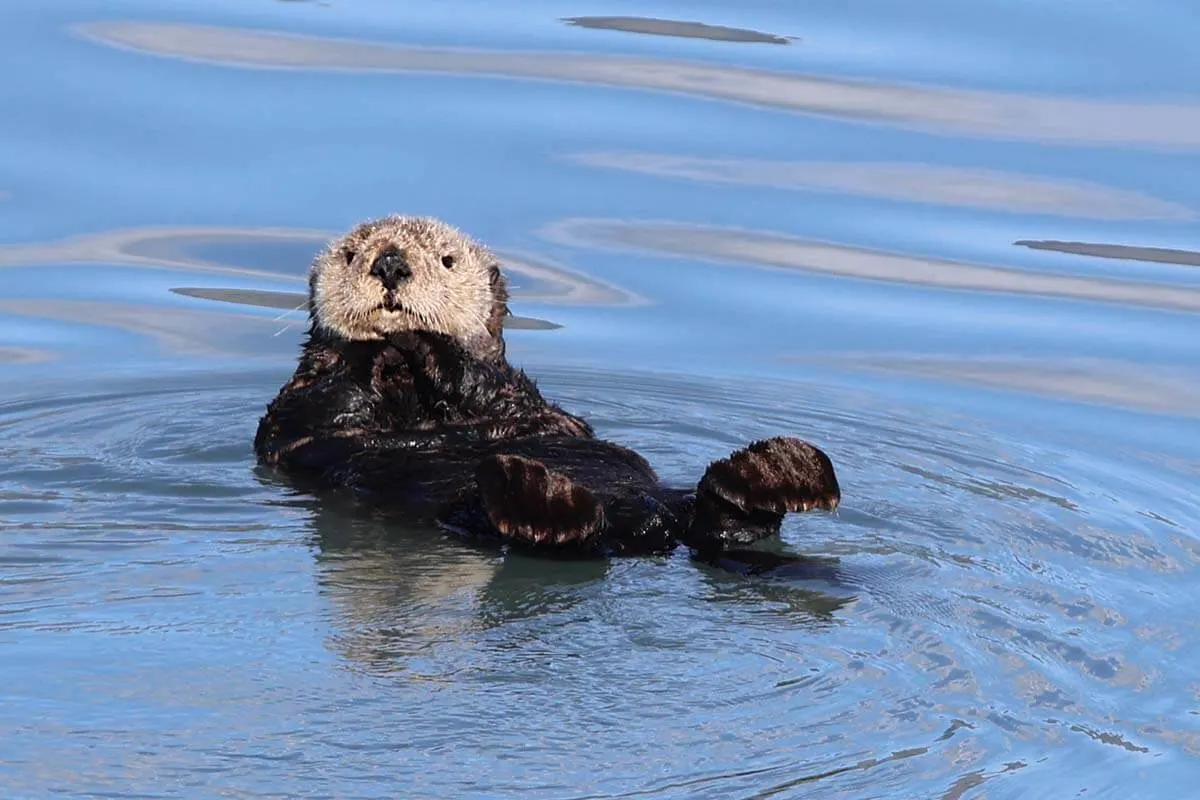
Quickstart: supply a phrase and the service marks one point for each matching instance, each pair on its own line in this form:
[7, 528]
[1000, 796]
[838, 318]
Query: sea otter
[404, 395]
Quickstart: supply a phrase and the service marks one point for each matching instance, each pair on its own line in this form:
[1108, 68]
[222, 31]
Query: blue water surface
[953, 244]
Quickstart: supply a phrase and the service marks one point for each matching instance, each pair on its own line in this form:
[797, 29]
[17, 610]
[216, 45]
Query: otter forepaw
[425, 350]
[743, 498]
[531, 504]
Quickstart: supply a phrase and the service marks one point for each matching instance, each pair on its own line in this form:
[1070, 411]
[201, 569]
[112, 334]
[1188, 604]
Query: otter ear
[499, 287]
[348, 254]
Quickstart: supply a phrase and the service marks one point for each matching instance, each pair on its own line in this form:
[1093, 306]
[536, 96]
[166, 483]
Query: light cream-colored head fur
[451, 283]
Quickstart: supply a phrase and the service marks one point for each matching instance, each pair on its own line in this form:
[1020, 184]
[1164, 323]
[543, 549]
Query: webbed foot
[532, 505]
[743, 498]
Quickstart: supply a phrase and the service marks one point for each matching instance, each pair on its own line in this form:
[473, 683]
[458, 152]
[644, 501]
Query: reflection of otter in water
[403, 394]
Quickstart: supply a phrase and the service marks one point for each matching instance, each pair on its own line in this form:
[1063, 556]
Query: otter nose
[391, 268]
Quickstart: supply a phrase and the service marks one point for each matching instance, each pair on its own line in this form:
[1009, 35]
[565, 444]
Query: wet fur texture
[404, 396]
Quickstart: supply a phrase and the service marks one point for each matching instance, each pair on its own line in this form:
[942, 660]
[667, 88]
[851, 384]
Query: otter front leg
[532, 506]
[743, 498]
[459, 385]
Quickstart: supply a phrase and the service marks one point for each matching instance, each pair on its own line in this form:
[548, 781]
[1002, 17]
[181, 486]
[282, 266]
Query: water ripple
[782, 251]
[976, 595]
[963, 187]
[994, 114]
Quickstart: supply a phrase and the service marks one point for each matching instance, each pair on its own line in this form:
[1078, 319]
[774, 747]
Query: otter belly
[605, 467]
[421, 480]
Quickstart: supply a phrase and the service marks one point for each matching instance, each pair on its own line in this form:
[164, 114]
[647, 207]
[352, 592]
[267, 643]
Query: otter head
[401, 274]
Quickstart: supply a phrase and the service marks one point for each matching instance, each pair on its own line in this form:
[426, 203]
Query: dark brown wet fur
[524, 500]
[448, 431]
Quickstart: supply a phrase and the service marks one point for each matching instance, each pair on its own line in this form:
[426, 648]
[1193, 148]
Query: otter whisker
[422, 318]
[290, 311]
[286, 313]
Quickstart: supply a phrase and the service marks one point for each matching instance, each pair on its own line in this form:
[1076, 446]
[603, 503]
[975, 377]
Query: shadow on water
[1161, 255]
[671, 27]
[397, 584]
[801, 588]
[426, 564]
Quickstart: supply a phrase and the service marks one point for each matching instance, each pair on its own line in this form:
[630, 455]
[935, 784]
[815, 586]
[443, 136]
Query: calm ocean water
[953, 244]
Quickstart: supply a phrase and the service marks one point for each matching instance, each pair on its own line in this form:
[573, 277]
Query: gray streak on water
[671, 27]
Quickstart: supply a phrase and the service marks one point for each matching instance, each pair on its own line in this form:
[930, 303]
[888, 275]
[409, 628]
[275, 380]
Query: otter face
[407, 274]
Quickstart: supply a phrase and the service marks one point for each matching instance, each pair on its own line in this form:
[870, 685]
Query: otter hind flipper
[534, 506]
[742, 498]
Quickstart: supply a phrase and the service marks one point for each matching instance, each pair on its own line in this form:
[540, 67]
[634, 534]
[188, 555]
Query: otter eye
[448, 262]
